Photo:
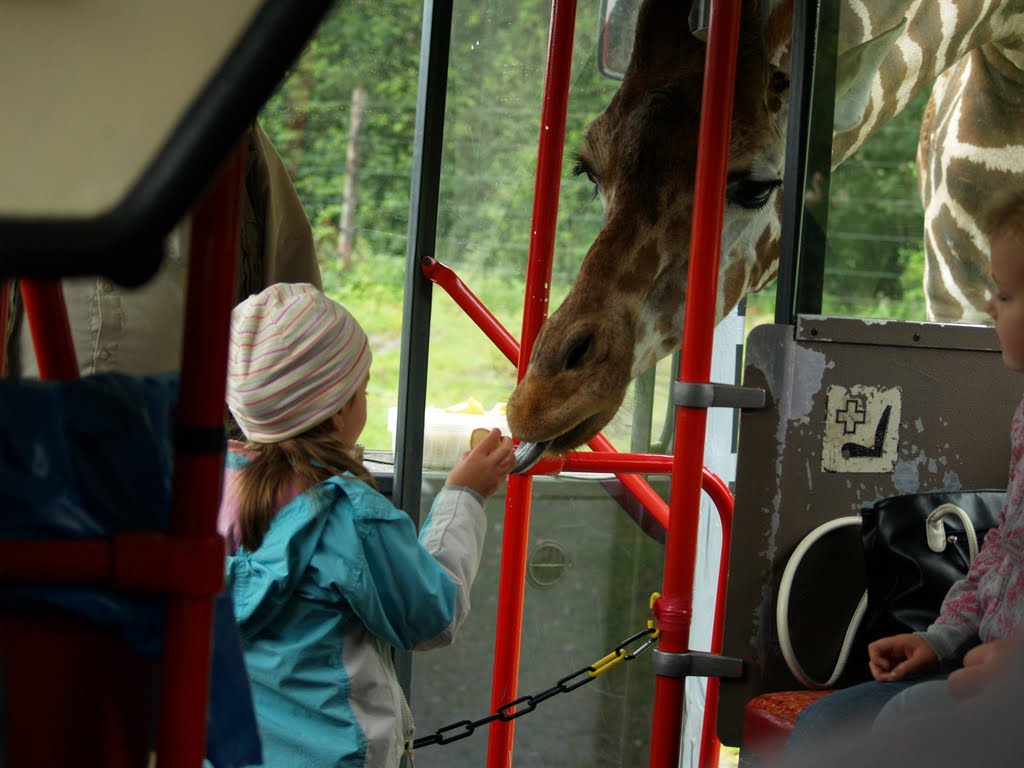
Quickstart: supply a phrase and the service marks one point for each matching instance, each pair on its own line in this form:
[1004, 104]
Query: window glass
[874, 254]
[343, 122]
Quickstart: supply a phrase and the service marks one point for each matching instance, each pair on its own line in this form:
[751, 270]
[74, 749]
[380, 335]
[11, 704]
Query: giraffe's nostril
[577, 351]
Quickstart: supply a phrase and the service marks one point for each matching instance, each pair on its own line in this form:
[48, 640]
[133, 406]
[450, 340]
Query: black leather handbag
[915, 548]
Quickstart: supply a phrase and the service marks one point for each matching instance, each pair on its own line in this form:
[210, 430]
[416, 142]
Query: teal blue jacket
[340, 579]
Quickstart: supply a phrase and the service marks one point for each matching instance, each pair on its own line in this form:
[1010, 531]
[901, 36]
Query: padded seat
[768, 719]
[88, 654]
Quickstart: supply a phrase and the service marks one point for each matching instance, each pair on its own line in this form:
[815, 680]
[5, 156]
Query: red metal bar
[695, 367]
[607, 459]
[185, 670]
[619, 463]
[512, 577]
[446, 277]
[39, 560]
[48, 323]
[5, 306]
[151, 562]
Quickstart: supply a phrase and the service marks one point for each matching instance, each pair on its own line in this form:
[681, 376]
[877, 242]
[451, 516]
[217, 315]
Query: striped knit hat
[294, 360]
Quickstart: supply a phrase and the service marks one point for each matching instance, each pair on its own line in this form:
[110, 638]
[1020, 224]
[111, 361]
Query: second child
[982, 614]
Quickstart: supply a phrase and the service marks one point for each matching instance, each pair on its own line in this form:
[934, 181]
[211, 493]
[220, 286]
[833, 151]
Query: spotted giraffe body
[624, 311]
[972, 144]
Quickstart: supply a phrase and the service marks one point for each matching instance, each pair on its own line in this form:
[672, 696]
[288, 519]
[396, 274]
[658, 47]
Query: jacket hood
[262, 582]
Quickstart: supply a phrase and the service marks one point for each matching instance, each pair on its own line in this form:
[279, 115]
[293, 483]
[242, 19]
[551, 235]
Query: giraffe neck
[939, 33]
[941, 36]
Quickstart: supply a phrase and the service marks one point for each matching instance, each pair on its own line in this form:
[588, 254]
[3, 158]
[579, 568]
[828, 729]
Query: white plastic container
[446, 435]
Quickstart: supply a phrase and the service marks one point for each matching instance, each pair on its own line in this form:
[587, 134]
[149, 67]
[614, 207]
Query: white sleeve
[454, 536]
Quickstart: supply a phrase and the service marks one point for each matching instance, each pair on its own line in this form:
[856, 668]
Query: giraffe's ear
[856, 69]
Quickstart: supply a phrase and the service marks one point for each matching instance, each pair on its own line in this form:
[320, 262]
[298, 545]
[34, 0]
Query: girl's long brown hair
[276, 468]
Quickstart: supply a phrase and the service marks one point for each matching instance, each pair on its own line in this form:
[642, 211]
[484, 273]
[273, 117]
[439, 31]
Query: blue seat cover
[93, 457]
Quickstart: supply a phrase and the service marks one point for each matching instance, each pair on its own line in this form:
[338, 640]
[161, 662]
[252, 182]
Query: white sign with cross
[862, 429]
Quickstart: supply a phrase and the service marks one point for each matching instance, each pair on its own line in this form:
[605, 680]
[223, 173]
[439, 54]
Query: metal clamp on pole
[717, 395]
[695, 664]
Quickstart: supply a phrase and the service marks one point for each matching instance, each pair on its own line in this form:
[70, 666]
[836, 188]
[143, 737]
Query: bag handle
[936, 531]
[782, 608]
[936, 534]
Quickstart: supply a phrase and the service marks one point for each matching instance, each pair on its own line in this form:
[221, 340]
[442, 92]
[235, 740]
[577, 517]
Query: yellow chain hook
[650, 621]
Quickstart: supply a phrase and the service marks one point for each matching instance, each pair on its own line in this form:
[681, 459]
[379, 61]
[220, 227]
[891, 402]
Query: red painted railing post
[512, 579]
[47, 317]
[676, 604]
[199, 464]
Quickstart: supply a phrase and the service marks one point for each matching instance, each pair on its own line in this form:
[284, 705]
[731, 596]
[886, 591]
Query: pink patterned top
[988, 604]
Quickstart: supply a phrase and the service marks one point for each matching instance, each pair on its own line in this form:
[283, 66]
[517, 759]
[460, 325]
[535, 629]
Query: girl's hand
[981, 664]
[896, 657]
[485, 467]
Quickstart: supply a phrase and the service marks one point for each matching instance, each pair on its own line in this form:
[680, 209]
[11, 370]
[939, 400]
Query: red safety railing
[5, 304]
[675, 606]
[47, 318]
[623, 465]
[512, 577]
[668, 699]
[607, 458]
[199, 464]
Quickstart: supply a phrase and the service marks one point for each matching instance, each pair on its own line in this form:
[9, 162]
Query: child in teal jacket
[328, 576]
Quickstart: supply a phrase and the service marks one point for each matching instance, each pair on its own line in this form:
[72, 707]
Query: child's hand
[893, 658]
[485, 467]
[981, 664]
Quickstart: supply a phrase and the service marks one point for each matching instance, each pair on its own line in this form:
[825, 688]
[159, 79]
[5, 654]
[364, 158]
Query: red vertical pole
[5, 305]
[676, 604]
[512, 578]
[47, 317]
[185, 670]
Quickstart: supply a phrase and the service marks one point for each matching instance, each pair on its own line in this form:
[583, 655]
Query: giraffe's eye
[751, 193]
[582, 169]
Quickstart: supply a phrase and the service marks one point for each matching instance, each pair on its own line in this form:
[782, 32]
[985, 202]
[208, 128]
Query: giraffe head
[625, 309]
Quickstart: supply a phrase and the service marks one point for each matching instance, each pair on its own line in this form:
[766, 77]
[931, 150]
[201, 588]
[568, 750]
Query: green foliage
[875, 226]
[463, 362]
[361, 44]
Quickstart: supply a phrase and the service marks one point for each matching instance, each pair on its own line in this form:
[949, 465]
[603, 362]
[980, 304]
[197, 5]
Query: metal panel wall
[857, 410]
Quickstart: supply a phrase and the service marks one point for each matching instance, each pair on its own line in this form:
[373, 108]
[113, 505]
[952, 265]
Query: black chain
[528, 703]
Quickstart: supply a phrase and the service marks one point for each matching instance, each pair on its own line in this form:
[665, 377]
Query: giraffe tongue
[528, 454]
